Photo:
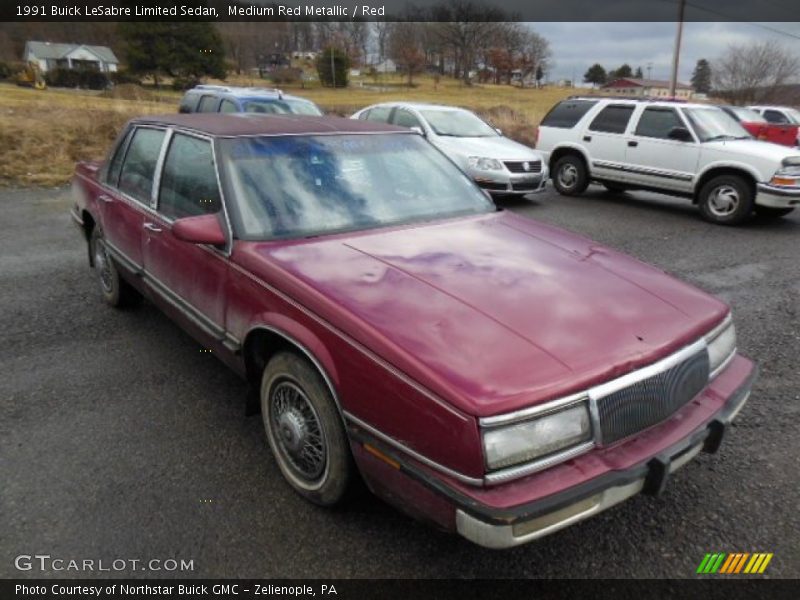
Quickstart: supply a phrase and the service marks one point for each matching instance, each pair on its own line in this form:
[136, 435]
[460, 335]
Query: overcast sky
[576, 46]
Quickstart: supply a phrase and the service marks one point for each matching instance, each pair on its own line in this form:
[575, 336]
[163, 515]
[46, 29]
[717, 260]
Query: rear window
[566, 114]
[208, 104]
[612, 119]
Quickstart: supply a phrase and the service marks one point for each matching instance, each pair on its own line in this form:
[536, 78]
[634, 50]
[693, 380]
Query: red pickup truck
[761, 129]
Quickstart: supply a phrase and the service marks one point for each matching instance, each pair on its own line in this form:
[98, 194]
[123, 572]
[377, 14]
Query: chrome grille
[651, 400]
[518, 166]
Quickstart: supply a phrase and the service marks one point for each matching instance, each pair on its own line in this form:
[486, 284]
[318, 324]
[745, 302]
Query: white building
[70, 56]
[656, 88]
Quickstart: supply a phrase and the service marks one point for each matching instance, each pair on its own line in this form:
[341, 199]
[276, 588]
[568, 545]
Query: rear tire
[116, 291]
[727, 200]
[570, 176]
[771, 212]
[305, 431]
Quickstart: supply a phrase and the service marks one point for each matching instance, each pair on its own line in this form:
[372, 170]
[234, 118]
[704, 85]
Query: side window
[566, 115]
[774, 116]
[136, 176]
[188, 179]
[403, 118]
[188, 103]
[379, 113]
[112, 174]
[228, 107]
[658, 122]
[364, 115]
[612, 119]
[208, 104]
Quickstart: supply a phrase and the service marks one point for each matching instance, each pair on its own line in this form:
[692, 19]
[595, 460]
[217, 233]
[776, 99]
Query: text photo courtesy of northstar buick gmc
[490, 374]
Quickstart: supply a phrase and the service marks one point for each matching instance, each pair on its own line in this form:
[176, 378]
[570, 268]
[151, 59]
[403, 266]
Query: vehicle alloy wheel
[727, 200]
[305, 431]
[570, 177]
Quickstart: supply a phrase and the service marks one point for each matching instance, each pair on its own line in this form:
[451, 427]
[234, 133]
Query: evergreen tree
[333, 66]
[595, 75]
[701, 78]
[638, 74]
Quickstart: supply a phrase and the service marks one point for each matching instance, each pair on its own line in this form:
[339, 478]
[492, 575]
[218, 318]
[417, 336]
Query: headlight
[721, 345]
[789, 173]
[485, 164]
[523, 442]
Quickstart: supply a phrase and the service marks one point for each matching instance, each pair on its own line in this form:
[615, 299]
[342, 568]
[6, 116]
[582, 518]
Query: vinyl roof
[244, 124]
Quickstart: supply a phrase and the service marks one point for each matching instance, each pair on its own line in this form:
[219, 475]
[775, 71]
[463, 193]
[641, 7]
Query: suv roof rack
[634, 98]
[234, 89]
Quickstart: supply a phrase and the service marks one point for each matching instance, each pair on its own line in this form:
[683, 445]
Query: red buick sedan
[498, 377]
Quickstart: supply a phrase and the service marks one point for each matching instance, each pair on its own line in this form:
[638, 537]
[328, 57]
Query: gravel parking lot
[119, 438]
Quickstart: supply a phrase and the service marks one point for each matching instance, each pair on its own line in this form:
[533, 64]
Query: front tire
[727, 200]
[116, 291]
[570, 176]
[304, 430]
[772, 212]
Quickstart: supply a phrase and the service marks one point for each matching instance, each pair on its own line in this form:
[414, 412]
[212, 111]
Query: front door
[190, 278]
[654, 159]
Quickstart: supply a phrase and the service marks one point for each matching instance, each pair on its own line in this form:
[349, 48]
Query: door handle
[105, 198]
[633, 144]
[587, 138]
[152, 227]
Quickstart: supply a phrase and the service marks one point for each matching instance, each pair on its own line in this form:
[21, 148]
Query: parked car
[229, 99]
[778, 115]
[497, 164]
[496, 376]
[695, 151]
[761, 129]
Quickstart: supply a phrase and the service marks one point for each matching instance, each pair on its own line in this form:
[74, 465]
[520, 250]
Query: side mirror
[680, 134]
[202, 229]
[419, 130]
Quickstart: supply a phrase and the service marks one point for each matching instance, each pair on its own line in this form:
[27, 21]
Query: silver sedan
[498, 164]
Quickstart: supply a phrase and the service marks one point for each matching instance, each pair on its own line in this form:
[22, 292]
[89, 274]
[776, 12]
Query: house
[70, 56]
[386, 66]
[627, 86]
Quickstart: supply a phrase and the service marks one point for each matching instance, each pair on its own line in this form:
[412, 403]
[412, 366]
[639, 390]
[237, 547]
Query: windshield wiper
[723, 136]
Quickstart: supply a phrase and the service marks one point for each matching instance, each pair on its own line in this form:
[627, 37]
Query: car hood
[752, 148]
[498, 147]
[495, 312]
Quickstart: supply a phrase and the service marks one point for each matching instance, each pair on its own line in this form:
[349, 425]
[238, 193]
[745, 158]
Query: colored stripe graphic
[734, 563]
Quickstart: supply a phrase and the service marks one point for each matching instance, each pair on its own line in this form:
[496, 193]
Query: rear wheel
[570, 176]
[772, 212]
[727, 200]
[116, 291]
[305, 431]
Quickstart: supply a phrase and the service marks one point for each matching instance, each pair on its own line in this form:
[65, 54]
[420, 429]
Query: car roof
[420, 105]
[244, 93]
[244, 124]
[648, 101]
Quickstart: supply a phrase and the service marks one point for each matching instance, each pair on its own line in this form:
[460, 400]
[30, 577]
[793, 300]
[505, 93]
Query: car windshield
[457, 123]
[746, 115]
[283, 106]
[302, 186]
[713, 123]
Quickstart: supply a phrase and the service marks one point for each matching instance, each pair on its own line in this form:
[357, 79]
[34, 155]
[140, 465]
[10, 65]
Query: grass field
[43, 133]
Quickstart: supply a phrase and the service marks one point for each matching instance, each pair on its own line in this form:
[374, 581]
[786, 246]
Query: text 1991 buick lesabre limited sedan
[496, 376]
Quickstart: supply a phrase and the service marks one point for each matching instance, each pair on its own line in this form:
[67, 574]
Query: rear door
[130, 176]
[605, 141]
[655, 160]
[190, 278]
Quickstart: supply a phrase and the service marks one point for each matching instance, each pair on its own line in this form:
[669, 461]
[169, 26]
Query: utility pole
[676, 53]
[333, 69]
[649, 70]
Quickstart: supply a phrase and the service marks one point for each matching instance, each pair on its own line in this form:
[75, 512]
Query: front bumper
[777, 197]
[504, 183]
[525, 510]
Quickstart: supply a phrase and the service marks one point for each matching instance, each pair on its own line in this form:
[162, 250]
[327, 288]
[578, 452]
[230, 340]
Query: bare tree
[753, 72]
[406, 47]
[535, 55]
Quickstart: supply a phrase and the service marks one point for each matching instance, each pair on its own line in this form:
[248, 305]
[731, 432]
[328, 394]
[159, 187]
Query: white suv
[692, 150]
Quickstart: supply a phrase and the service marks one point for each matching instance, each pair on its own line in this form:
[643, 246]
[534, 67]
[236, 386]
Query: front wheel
[727, 200]
[304, 430]
[570, 176]
[772, 212]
